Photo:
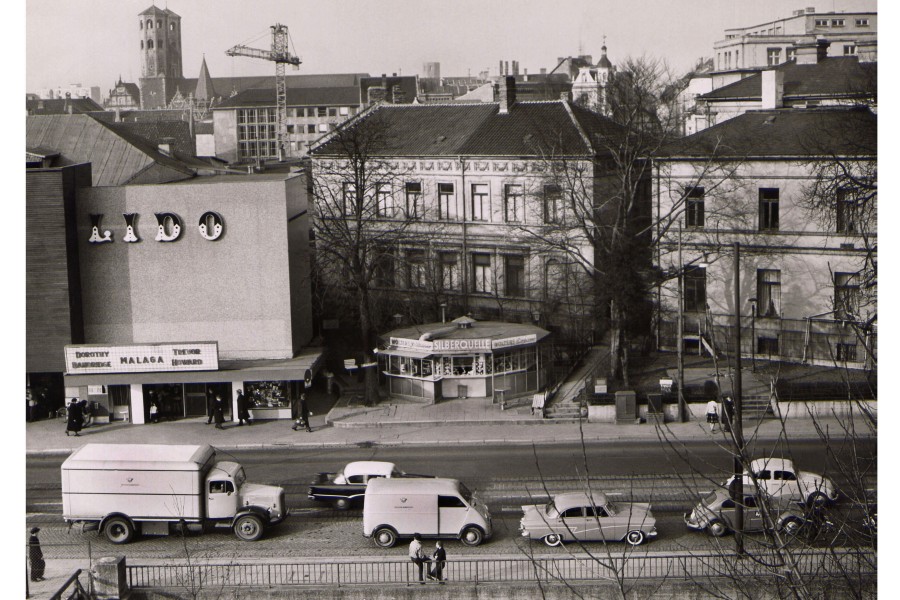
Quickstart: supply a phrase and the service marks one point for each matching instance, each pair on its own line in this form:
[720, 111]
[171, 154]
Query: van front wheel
[385, 537]
[471, 536]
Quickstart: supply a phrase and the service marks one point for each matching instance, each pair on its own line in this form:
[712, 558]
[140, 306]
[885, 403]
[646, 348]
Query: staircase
[564, 408]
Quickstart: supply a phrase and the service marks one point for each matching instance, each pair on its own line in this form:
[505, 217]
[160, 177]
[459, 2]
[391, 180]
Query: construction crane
[280, 55]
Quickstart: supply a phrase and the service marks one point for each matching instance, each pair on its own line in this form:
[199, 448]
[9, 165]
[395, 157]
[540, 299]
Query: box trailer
[156, 489]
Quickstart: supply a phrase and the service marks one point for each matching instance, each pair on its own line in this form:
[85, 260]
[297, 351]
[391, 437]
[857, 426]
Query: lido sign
[168, 227]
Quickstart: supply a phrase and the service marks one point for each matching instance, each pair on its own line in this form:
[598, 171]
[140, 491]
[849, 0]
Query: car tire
[471, 536]
[342, 504]
[717, 528]
[385, 537]
[791, 526]
[553, 540]
[119, 530]
[635, 537]
[248, 528]
[817, 500]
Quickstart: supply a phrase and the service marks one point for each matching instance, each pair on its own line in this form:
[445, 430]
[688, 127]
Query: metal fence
[848, 565]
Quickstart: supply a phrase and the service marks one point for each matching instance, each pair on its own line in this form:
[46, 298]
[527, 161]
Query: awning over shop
[292, 369]
[405, 352]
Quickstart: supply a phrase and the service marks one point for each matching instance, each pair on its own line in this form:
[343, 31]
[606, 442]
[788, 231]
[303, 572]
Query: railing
[72, 589]
[844, 564]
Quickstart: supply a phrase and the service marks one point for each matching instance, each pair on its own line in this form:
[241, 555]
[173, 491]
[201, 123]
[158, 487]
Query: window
[573, 513]
[323, 127]
[556, 279]
[310, 129]
[695, 289]
[862, 22]
[349, 198]
[149, 44]
[849, 49]
[791, 54]
[447, 202]
[384, 201]
[785, 475]
[767, 346]
[552, 204]
[171, 26]
[768, 209]
[482, 274]
[694, 207]
[142, 44]
[256, 133]
[414, 208]
[768, 292]
[344, 111]
[415, 262]
[149, 24]
[481, 210]
[322, 111]
[384, 271]
[159, 23]
[514, 203]
[515, 275]
[451, 502]
[821, 22]
[847, 210]
[449, 265]
[837, 22]
[846, 296]
[221, 487]
[141, 23]
[845, 352]
[773, 56]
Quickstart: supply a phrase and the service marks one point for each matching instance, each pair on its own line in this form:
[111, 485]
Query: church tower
[160, 47]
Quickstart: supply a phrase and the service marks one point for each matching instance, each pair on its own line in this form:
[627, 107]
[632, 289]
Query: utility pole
[737, 493]
[680, 338]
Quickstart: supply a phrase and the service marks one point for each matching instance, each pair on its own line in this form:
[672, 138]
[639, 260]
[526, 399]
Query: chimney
[809, 53]
[515, 68]
[772, 89]
[506, 67]
[507, 94]
[500, 72]
[118, 115]
[810, 10]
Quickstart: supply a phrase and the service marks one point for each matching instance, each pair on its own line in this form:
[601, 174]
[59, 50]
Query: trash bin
[626, 407]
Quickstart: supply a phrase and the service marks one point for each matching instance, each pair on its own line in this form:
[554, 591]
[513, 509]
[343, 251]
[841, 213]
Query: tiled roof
[334, 96]
[786, 132]
[60, 106]
[143, 116]
[479, 129]
[156, 132]
[116, 157]
[831, 77]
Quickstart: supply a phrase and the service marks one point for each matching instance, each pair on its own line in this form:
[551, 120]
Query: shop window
[449, 265]
[414, 207]
[482, 274]
[416, 269]
[695, 207]
[768, 292]
[447, 207]
[267, 394]
[515, 275]
[694, 289]
[514, 202]
[553, 209]
[846, 296]
[384, 201]
[767, 346]
[768, 209]
[481, 208]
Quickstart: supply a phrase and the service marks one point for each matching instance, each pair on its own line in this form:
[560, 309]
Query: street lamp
[752, 334]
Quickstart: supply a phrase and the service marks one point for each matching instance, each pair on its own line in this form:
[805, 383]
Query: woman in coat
[36, 556]
[74, 417]
[219, 412]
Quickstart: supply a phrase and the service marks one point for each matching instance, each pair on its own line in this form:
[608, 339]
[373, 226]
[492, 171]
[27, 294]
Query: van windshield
[466, 494]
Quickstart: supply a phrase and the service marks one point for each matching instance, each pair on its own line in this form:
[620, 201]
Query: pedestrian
[303, 415]
[31, 405]
[417, 555]
[243, 412]
[712, 414]
[154, 412]
[74, 417]
[219, 412]
[210, 405]
[36, 555]
[438, 558]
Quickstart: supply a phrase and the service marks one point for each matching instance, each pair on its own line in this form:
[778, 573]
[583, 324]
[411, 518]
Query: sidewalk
[472, 421]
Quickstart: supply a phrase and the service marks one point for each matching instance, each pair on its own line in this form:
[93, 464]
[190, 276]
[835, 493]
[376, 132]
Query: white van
[433, 508]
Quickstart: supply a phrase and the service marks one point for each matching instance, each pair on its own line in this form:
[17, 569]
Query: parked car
[716, 513]
[777, 477]
[587, 518]
[349, 484]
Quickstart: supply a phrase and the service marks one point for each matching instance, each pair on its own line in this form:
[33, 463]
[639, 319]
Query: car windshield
[240, 478]
[710, 498]
[466, 494]
[552, 511]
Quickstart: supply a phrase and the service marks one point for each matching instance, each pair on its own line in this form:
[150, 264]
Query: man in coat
[36, 556]
[74, 417]
[219, 412]
[243, 411]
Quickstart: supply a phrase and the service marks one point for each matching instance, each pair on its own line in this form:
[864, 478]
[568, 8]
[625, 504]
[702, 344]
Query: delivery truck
[157, 489]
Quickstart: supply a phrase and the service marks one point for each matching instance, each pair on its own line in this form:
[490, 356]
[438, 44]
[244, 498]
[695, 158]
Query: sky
[92, 42]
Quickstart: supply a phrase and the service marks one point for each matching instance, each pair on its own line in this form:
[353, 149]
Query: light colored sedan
[587, 518]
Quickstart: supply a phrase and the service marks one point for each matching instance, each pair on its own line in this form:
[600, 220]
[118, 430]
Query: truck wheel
[119, 530]
[791, 526]
[248, 528]
[552, 540]
[385, 537]
[816, 500]
[342, 504]
[717, 528]
[635, 537]
[471, 536]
